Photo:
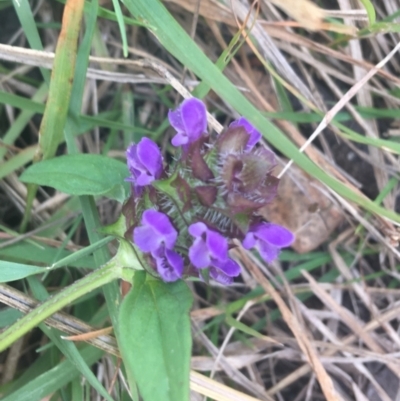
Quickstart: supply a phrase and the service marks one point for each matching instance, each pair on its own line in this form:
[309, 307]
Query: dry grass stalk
[308, 350]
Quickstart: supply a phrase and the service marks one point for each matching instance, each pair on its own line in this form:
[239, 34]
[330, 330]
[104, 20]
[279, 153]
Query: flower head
[207, 196]
[144, 162]
[268, 238]
[155, 232]
[169, 264]
[255, 135]
[189, 121]
[210, 249]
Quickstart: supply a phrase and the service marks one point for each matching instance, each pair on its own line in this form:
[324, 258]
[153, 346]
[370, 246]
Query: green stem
[98, 278]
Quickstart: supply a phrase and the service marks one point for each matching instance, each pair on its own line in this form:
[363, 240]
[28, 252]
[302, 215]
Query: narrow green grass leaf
[369, 8]
[67, 348]
[52, 126]
[391, 17]
[121, 26]
[54, 379]
[110, 15]
[77, 391]
[295, 272]
[87, 203]
[179, 44]
[27, 20]
[17, 161]
[237, 41]
[41, 254]
[92, 281]
[73, 257]
[82, 62]
[83, 174]
[54, 118]
[373, 112]
[377, 142]
[82, 123]
[22, 120]
[21, 102]
[41, 365]
[155, 337]
[8, 316]
[379, 27]
[10, 271]
[128, 117]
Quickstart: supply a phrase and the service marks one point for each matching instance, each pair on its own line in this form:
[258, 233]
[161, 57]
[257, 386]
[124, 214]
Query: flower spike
[185, 218]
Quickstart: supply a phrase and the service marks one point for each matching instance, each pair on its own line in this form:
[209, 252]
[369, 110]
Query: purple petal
[194, 117]
[267, 251]
[189, 120]
[135, 166]
[175, 119]
[219, 276]
[156, 229]
[144, 162]
[199, 255]
[274, 234]
[197, 229]
[161, 225]
[149, 154]
[146, 239]
[144, 178]
[170, 267]
[255, 135]
[217, 245]
[249, 240]
[229, 267]
[180, 139]
[131, 155]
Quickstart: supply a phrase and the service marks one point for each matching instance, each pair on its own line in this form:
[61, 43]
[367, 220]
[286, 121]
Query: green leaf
[10, 271]
[81, 174]
[369, 8]
[8, 316]
[155, 337]
[121, 25]
[28, 24]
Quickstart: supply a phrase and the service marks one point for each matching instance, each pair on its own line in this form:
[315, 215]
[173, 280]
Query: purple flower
[268, 238]
[169, 264]
[155, 232]
[189, 120]
[144, 162]
[255, 135]
[210, 249]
